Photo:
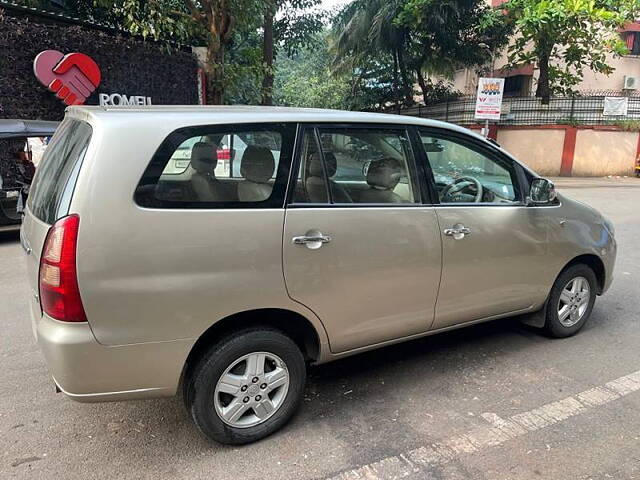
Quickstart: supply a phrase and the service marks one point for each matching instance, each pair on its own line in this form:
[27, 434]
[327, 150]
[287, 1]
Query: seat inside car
[257, 167]
[315, 185]
[204, 183]
[383, 176]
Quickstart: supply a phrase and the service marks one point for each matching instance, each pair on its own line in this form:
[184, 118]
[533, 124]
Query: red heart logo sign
[72, 77]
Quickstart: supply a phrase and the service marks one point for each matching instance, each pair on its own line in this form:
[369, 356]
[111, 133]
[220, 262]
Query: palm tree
[363, 31]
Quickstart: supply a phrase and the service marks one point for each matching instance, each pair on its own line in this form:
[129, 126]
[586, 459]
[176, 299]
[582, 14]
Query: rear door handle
[312, 239]
[458, 231]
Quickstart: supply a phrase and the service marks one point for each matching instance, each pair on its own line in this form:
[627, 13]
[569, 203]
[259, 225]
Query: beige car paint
[153, 281]
[376, 280]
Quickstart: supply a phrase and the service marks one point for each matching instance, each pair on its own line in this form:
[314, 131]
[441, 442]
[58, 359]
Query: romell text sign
[489, 98]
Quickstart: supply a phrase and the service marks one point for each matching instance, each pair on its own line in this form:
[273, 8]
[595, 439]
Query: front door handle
[458, 231]
[313, 239]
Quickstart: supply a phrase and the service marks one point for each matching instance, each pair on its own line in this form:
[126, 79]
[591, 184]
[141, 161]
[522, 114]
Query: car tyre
[571, 301]
[234, 358]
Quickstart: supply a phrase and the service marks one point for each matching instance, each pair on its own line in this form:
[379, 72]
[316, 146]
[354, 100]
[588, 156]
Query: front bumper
[88, 371]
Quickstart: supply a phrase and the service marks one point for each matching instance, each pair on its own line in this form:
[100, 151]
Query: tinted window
[219, 167]
[65, 153]
[465, 174]
[359, 165]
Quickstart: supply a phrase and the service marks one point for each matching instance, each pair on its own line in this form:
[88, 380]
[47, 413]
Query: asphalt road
[443, 407]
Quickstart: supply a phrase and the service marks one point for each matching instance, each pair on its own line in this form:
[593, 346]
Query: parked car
[16, 166]
[362, 230]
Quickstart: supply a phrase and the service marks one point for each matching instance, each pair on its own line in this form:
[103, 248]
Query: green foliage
[415, 40]
[565, 37]
[304, 78]
[296, 24]
[628, 125]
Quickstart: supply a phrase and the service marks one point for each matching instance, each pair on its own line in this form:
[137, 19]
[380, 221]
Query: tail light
[59, 293]
[224, 154]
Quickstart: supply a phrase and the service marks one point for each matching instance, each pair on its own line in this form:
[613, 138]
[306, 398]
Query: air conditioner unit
[631, 83]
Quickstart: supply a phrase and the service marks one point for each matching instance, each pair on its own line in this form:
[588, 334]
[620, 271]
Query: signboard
[615, 106]
[107, 99]
[72, 77]
[489, 98]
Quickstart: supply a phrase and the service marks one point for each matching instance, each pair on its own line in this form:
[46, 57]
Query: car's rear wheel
[246, 386]
[571, 301]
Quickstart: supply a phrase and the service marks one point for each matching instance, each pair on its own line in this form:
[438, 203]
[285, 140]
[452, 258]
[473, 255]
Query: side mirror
[542, 192]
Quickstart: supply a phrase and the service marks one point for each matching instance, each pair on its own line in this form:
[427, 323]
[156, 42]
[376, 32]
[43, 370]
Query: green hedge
[129, 66]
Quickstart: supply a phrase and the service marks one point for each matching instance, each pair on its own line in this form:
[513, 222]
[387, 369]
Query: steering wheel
[460, 184]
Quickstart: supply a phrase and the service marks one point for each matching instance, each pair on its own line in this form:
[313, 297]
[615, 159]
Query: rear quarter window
[63, 155]
[220, 166]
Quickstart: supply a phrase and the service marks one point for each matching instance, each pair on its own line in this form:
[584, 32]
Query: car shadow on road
[334, 392]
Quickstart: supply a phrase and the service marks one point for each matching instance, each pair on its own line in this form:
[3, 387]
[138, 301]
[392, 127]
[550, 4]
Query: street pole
[493, 66]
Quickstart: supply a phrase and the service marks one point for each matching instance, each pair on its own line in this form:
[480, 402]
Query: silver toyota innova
[217, 251]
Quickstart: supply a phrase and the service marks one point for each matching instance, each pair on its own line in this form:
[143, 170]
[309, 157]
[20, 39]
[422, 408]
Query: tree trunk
[216, 16]
[544, 87]
[267, 55]
[424, 87]
[214, 70]
[407, 89]
[396, 97]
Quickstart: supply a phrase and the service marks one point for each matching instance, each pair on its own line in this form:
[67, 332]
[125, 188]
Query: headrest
[385, 173]
[204, 158]
[257, 164]
[314, 166]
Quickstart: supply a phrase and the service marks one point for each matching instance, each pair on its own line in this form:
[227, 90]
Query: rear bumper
[88, 371]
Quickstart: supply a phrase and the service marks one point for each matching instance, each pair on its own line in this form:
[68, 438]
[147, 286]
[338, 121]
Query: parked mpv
[321, 235]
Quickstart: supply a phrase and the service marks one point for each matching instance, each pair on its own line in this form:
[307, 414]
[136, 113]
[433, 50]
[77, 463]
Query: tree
[418, 39]
[288, 24]
[563, 37]
[449, 34]
[366, 36]
[304, 78]
[213, 20]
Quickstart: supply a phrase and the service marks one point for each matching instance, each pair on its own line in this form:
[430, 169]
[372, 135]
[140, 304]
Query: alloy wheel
[251, 389]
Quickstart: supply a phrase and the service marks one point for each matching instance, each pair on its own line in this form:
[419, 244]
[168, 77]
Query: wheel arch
[295, 325]
[592, 261]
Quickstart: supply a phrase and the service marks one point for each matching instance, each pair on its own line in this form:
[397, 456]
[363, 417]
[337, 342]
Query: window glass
[464, 175]
[66, 150]
[357, 165]
[209, 167]
[311, 186]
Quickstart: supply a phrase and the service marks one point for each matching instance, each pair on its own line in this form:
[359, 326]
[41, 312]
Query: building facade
[522, 81]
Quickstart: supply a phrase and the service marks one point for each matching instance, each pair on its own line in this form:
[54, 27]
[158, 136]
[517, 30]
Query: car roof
[16, 128]
[203, 114]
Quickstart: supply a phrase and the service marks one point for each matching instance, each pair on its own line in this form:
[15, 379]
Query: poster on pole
[489, 98]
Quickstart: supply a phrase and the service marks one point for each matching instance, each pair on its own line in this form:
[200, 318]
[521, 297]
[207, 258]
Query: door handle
[458, 231]
[312, 239]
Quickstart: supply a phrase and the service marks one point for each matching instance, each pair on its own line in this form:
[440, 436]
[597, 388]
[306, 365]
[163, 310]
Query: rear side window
[61, 159]
[232, 166]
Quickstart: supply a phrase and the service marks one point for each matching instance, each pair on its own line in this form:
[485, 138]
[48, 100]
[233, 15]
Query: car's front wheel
[246, 386]
[571, 301]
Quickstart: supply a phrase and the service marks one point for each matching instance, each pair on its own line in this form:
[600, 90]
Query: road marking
[496, 433]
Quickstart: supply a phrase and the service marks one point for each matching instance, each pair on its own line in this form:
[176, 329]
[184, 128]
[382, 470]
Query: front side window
[219, 167]
[358, 165]
[463, 174]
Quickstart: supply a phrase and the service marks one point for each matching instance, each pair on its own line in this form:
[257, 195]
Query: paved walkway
[595, 182]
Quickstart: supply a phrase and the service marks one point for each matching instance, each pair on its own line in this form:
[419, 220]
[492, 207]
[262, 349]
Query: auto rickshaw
[17, 140]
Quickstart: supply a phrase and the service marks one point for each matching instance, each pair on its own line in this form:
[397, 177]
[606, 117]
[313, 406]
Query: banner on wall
[615, 106]
[489, 98]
